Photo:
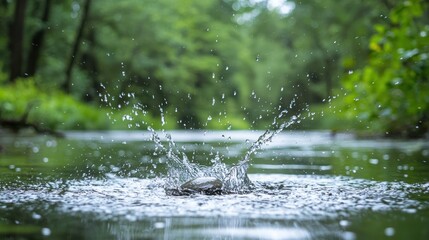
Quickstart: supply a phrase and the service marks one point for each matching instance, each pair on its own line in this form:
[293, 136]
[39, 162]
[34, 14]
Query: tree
[199, 63]
[76, 43]
[16, 38]
[38, 40]
[177, 56]
[327, 39]
[392, 90]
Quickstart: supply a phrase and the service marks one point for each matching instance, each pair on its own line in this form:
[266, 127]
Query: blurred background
[359, 66]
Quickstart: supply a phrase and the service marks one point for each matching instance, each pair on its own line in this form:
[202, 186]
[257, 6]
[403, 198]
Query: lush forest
[220, 64]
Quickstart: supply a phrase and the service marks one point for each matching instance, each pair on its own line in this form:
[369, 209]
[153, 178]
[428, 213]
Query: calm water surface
[308, 185]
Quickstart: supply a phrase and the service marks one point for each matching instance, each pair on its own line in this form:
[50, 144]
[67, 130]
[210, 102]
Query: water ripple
[275, 196]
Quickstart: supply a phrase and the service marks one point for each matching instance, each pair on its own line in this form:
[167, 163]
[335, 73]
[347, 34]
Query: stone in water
[202, 185]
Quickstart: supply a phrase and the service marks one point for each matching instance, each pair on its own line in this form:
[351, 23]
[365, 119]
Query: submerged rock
[202, 185]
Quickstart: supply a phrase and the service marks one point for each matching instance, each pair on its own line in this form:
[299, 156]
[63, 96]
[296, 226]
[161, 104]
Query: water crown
[184, 177]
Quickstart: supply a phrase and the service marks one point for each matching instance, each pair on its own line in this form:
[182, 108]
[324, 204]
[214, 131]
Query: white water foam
[275, 195]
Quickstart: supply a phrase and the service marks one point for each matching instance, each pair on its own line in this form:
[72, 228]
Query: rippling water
[275, 196]
[307, 185]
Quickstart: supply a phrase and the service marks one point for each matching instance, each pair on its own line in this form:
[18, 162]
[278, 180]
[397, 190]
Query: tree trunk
[4, 5]
[67, 83]
[16, 37]
[37, 41]
[89, 64]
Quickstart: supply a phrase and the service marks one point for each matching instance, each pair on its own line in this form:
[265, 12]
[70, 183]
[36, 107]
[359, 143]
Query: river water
[307, 185]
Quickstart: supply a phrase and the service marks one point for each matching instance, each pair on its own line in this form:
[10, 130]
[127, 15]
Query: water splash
[234, 179]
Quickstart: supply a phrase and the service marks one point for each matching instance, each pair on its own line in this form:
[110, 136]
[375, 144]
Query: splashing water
[234, 179]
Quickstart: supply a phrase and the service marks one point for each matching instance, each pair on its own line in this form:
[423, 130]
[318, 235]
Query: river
[307, 185]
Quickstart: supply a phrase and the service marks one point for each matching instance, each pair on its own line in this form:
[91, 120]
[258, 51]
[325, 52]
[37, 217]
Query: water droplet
[344, 223]
[35, 149]
[36, 216]
[159, 225]
[46, 231]
[410, 210]
[373, 161]
[390, 231]
[349, 236]
[131, 218]
[162, 116]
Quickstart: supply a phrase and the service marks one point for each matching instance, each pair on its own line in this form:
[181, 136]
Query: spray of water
[234, 179]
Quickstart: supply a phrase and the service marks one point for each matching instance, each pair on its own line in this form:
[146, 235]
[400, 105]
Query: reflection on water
[307, 186]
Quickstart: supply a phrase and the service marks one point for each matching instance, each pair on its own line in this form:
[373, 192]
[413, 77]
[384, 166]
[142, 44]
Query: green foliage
[321, 35]
[11, 229]
[238, 62]
[181, 56]
[393, 89]
[330, 117]
[49, 110]
[187, 56]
